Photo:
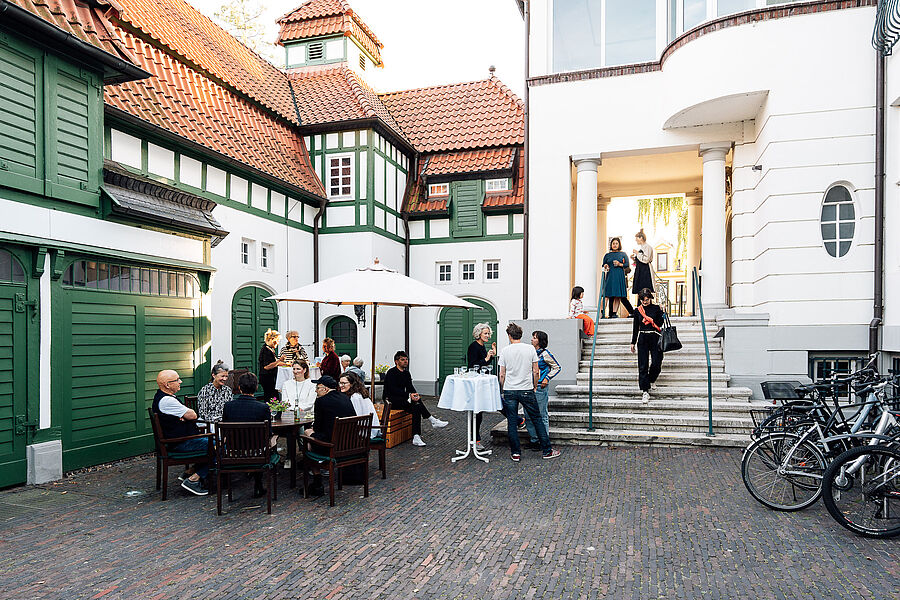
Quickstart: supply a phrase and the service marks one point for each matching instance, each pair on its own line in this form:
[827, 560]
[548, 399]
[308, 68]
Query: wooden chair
[350, 443]
[380, 443]
[190, 402]
[245, 448]
[166, 458]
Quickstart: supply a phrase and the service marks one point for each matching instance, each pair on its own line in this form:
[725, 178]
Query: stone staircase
[677, 411]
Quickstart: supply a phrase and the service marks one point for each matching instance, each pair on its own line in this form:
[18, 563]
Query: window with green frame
[129, 279]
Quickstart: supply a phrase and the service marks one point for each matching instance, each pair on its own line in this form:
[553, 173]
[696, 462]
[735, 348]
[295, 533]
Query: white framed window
[444, 272]
[467, 271]
[662, 261]
[491, 270]
[497, 185]
[266, 252]
[838, 221]
[340, 176]
[248, 253]
[438, 189]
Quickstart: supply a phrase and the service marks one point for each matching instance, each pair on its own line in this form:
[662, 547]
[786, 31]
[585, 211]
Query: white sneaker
[645, 397]
[436, 423]
[417, 441]
[653, 386]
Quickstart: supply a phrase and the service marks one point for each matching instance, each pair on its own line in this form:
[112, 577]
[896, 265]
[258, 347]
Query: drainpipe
[878, 296]
[316, 222]
[525, 220]
[410, 179]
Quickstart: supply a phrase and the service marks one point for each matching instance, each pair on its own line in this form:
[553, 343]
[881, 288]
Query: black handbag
[668, 336]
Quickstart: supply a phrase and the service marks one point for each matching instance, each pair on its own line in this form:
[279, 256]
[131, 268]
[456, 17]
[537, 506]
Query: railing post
[593, 351]
[696, 283]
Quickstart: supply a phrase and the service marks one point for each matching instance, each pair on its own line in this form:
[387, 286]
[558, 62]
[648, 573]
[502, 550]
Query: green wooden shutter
[251, 316]
[74, 134]
[21, 129]
[170, 332]
[12, 388]
[455, 333]
[465, 202]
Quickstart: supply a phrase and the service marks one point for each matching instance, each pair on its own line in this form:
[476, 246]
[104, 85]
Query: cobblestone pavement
[595, 523]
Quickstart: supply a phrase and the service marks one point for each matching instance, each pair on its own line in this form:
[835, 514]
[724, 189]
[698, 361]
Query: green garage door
[343, 331]
[118, 326]
[12, 371]
[455, 330]
[251, 316]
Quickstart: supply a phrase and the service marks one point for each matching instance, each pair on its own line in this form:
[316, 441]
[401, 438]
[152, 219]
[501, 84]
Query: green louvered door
[114, 346]
[455, 331]
[21, 130]
[251, 316]
[12, 386]
[465, 203]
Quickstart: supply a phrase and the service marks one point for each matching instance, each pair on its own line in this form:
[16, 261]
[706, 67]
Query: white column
[713, 246]
[586, 226]
[602, 214]
[695, 205]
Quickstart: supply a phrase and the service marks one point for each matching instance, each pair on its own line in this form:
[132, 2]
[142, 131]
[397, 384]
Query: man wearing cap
[330, 404]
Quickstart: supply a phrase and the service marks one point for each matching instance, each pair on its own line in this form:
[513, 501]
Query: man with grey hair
[345, 362]
[356, 368]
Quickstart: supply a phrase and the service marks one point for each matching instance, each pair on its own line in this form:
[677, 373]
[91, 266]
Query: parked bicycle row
[824, 445]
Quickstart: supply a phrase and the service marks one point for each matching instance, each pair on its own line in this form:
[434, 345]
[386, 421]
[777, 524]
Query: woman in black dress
[648, 322]
[268, 364]
[642, 256]
[478, 355]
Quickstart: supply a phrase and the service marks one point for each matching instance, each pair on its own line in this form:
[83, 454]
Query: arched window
[10, 269]
[838, 221]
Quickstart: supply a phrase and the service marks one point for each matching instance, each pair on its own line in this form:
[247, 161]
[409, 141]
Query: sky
[429, 42]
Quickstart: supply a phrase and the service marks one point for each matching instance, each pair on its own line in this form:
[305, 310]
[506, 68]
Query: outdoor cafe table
[473, 394]
[289, 427]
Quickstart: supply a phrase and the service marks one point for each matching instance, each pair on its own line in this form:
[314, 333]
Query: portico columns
[694, 223]
[586, 223]
[602, 235]
[713, 246]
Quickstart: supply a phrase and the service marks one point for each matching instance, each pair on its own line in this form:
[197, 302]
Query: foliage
[276, 405]
[662, 209]
[381, 369]
[243, 20]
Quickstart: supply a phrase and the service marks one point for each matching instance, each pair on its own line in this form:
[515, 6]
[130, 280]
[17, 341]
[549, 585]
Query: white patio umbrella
[375, 285]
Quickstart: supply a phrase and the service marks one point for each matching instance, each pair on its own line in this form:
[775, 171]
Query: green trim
[452, 240]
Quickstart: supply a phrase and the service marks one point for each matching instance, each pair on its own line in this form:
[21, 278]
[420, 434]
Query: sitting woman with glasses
[352, 386]
[292, 351]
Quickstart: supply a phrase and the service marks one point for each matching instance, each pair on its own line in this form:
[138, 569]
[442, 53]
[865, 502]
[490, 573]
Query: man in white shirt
[519, 374]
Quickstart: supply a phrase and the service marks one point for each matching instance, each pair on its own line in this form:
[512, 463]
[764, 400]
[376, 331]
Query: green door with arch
[343, 331]
[455, 333]
[251, 316]
[13, 378]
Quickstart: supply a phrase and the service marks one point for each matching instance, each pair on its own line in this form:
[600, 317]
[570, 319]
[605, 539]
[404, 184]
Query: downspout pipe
[411, 178]
[878, 292]
[316, 221]
[525, 220]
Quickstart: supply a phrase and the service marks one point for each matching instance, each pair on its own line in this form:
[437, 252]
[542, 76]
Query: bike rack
[696, 285]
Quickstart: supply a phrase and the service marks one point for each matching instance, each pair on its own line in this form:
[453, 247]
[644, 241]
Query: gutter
[411, 175]
[878, 292]
[525, 7]
[316, 222]
[30, 21]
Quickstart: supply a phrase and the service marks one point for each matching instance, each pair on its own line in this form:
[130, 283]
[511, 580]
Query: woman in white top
[642, 257]
[300, 391]
[353, 386]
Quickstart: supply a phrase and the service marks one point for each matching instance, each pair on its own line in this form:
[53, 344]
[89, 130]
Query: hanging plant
[662, 209]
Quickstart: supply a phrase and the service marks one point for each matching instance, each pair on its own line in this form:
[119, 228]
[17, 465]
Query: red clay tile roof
[325, 17]
[189, 104]
[477, 114]
[470, 161]
[193, 36]
[418, 202]
[86, 21]
[338, 94]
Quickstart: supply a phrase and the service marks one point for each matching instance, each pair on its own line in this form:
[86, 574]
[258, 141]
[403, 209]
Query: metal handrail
[593, 351]
[695, 281]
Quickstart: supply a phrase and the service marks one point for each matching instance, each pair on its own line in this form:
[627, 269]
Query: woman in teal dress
[615, 262]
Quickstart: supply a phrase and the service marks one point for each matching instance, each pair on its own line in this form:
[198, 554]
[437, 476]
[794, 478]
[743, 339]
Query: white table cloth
[473, 394]
[478, 393]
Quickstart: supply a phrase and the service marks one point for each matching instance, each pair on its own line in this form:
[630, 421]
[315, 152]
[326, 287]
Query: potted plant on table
[277, 406]
[380, 370]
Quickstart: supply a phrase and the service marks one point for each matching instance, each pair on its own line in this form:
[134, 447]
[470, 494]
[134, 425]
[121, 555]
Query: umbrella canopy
[375, 284]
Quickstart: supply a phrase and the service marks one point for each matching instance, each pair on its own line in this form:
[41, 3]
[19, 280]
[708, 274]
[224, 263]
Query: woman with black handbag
[648, 322]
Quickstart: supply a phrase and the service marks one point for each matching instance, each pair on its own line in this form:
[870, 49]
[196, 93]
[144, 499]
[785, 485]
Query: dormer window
[497, 185]
[316, 51]
[438, 189]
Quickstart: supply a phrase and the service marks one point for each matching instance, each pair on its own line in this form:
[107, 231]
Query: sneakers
[645, 397]
[479, 446]
[436, 423]
[553, 454]
[194, 487]
[521, 424]
[417, 440]
[653, 386]
[515, 457]
[184, 475]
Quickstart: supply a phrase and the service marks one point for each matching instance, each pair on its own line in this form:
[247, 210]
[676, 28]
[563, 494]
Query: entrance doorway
[12, 370]
[343, 331]
[251, 316]
[455, 334]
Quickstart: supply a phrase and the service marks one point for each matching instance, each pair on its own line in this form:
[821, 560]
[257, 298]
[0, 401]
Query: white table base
[471, 450]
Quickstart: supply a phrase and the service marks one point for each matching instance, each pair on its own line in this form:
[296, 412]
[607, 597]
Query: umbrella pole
[374, 325]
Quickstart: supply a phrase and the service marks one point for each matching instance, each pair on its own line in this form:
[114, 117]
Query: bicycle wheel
[861, 490]
[783, 472]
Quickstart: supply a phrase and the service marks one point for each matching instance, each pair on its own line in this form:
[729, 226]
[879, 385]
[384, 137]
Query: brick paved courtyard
[596, 523]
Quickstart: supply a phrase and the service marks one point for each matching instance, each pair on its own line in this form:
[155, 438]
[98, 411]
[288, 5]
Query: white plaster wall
[291, 267]
[505, 295]
[815, 129]
[892, 209]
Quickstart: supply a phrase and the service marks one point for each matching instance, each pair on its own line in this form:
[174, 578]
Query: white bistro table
[473, 394]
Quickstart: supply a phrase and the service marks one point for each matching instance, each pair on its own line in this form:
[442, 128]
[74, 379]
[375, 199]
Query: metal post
[593, 351]
[696, 284]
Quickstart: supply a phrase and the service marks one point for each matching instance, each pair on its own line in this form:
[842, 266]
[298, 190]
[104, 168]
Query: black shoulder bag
[668, 336]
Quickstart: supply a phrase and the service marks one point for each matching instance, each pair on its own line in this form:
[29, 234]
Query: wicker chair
[166, 458]
[350, 443]
[245, 448]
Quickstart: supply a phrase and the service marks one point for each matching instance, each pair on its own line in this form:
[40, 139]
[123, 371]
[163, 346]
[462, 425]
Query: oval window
[838, 221]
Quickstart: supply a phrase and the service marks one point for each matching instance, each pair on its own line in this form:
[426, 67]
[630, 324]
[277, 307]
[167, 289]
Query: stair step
[662, 392]
[653, 421]
[671, 361]
[578, 436]
[625, 350]
[665, 378]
